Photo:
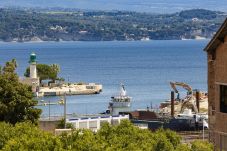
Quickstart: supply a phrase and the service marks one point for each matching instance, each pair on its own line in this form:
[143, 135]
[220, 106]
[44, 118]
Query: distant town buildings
[217, 87]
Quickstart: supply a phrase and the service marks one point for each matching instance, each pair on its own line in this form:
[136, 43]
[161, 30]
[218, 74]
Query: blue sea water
[146, 68]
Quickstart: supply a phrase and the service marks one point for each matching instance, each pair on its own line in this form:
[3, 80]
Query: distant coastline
[32, 25]
[205, 39]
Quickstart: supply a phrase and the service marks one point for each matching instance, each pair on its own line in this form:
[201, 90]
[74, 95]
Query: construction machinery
[184, 85]
[189, 100]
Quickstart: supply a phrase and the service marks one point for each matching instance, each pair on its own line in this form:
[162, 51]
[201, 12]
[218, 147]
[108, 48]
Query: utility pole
[172, 103]
[65, 110]
[203, 129]
[49, 109]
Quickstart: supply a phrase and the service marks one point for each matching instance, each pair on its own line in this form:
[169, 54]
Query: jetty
[56, 89]
[70, 89]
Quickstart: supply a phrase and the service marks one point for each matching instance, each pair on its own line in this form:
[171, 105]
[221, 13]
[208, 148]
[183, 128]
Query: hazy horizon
[154, 6]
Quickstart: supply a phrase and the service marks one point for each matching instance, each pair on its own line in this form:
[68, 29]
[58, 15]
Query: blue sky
[156, 6]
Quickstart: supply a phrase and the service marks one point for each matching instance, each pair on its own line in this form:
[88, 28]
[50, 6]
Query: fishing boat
[120, 103]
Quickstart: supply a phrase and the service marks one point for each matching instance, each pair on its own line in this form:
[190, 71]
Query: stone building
[217, 87]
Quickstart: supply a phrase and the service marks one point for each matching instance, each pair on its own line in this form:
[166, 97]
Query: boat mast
[122, 90]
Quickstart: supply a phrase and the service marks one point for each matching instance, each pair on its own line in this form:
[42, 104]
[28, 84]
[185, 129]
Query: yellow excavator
[189, 101]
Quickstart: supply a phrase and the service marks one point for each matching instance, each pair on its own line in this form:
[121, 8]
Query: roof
[218, 38]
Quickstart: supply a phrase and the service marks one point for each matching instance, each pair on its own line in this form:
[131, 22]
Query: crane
[184, 85]
[189, 101]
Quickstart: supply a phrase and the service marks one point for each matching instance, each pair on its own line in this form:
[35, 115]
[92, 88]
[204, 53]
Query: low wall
[47, 125]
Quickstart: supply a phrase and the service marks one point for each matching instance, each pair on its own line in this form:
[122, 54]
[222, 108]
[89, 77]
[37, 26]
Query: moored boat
[120, 103]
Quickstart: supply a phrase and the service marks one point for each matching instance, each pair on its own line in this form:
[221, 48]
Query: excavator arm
[184, 85]
[189, 102]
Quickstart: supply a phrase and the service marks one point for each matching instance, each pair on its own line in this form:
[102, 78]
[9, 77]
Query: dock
[72, 89]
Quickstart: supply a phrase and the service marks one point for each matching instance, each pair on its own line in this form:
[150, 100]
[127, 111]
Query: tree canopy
[45, 72]
[16, 99]
[123, 137]
[27, 137]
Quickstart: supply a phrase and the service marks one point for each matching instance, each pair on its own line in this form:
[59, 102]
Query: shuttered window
[223, 98]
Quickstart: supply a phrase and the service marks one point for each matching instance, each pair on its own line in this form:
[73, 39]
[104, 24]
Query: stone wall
[217, 75]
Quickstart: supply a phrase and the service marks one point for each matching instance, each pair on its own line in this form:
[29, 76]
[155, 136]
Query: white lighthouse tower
[32, 61]
[33, 79]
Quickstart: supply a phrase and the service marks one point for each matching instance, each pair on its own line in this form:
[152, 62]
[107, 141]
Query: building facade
[217, 87]
[95, 123]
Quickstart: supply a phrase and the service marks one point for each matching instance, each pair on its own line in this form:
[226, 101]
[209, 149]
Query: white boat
[120, 103]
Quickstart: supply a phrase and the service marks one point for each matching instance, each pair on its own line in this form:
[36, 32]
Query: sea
[144, 67]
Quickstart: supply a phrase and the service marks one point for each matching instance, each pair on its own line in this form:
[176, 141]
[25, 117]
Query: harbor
[146, 96]
[152, 87]
[128, 79]
[189, 110]
[181, 114]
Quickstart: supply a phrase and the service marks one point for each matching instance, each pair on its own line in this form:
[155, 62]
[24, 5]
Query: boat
[120, 103]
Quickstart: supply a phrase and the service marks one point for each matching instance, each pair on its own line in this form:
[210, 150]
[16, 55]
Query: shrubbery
[124, 137]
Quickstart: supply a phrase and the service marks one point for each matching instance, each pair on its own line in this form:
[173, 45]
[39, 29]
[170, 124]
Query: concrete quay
[72, 89]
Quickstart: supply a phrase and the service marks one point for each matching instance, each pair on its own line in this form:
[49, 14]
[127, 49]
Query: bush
[123, 137]
[202, 146]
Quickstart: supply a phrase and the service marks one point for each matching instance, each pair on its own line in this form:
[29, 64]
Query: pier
[72, 89]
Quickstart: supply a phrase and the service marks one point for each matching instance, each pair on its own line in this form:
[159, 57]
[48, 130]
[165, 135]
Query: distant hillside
[70, 25]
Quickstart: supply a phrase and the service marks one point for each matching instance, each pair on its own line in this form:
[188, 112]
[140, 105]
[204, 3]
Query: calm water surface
[144, 67]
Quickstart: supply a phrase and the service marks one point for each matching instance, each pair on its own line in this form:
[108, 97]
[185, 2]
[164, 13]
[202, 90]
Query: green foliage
[54, 70]
[199, 13]
[123, 137]
[162, 143]
[10, 66]
[74, 25]
[126, 137]
[16, 99]
[26, 136]
[45, 72]
[172, 137]
[183, 147]
[201, 146]
[61, 124]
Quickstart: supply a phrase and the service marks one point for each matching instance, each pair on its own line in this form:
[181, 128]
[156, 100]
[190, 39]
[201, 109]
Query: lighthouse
[32, 61]
[33, 79]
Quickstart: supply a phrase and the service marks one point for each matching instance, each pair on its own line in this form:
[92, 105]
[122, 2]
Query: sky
[153, 6]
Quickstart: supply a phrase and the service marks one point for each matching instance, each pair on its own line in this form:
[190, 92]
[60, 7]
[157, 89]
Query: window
[223, 98]
[83, 125]
[223, 144]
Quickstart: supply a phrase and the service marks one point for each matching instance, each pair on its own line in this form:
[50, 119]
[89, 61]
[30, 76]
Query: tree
[45, 72]
[172, 136]
[201, 146]
[54, 70]
[16, 99]
[26, 136]
[183, 147]
[123, 137]
[10, 66]
[61, 124]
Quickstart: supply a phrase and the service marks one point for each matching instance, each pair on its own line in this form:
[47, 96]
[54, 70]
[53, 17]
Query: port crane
[189, 101]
